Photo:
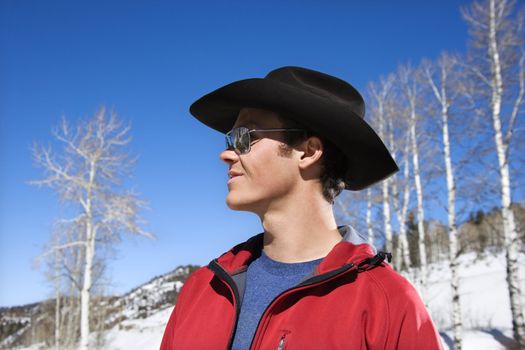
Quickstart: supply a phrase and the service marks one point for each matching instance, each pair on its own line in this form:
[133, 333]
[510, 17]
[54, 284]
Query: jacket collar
[353, 248]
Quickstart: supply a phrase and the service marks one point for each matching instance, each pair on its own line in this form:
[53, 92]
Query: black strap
[376, 260]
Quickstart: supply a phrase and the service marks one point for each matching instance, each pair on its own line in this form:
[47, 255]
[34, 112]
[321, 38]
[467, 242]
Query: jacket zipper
[281, 343]
[226, 278]
[313, 281]
[310, 282]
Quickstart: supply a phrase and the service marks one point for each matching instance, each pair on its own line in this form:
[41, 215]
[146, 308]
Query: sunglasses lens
[238, 140]
[229, 142]
[242, 140]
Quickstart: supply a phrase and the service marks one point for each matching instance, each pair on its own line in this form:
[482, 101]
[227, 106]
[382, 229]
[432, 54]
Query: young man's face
[266, 176]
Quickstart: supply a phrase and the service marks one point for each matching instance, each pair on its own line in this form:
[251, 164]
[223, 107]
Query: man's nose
[229, 156]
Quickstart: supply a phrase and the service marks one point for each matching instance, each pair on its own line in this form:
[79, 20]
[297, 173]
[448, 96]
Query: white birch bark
[419, 196]
[88, 263]
[85, 293]
[57, 300]
[445, 63]
[387, 220]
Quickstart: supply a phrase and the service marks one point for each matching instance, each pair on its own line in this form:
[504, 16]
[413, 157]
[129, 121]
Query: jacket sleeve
[168, 338]
[410, 326]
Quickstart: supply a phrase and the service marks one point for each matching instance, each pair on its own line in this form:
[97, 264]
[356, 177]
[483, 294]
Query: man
[296, 139]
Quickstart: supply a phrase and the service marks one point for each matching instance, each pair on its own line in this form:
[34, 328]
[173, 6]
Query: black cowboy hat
[322, 103]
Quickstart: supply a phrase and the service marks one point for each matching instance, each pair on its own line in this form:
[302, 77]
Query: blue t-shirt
[265, 280]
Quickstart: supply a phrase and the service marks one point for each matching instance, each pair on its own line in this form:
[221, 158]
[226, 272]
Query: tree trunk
[369, 217]
[402, 215]
[57, 301]
[451, 196]
[403, 247]
[402, 250]
[419, 197]
[384, 188]
[88, 263]
[86, 289]
[386, 217]
[509, 225]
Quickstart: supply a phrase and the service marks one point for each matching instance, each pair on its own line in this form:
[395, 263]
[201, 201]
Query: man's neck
[303, 229]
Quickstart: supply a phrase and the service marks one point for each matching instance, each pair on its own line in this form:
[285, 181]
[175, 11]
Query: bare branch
[518, 102]
[59, 248]
[428, 74]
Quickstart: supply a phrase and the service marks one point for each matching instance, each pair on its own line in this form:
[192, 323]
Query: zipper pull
[281, 343]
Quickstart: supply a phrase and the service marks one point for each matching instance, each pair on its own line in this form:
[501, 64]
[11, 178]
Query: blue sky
[149, 60]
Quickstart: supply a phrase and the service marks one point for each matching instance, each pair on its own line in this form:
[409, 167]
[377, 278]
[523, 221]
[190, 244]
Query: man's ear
[312, 150]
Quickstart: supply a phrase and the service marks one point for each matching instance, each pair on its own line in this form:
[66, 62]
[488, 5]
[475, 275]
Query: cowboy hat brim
[369, 161]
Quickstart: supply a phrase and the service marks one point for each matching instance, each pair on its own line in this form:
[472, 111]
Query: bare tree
[88, 176]
[410, 88]
[379, 100]
[397, 136]
[497, 63]
[439, 83]
[401, 200]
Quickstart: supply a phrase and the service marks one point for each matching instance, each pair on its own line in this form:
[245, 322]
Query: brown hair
[333, 161]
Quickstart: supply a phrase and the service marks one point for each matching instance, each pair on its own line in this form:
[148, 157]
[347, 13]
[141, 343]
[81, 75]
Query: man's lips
[232, 175]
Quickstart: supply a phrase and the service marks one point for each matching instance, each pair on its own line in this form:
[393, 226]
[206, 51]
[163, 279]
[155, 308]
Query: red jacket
[349, 302]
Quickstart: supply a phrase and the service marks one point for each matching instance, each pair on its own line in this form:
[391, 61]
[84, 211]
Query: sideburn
[285, 150]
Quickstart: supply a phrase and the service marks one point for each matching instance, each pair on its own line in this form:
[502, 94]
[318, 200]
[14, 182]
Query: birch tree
[379, 95]
[397, 137]
[410, 90]
[497, 63]
[439, 84]
[400, 200]
[88, 174]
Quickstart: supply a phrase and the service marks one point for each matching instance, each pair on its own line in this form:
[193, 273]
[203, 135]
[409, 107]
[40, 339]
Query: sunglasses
[240, 140]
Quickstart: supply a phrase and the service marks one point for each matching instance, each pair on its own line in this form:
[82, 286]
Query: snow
[150, 295]
[484, 301]
[138, 334]
[39, 346]
[484, 297]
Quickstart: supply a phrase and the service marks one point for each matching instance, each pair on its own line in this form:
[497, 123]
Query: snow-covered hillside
[138, 334]
[157, 294]
[485, 304]
[29, 324]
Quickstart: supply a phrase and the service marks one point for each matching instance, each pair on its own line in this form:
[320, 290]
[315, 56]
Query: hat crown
[324, 85]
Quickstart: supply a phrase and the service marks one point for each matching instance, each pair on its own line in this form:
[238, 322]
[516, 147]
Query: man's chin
[239, 205]
[234, 205]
